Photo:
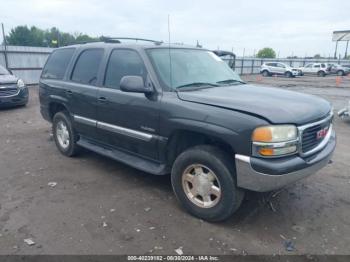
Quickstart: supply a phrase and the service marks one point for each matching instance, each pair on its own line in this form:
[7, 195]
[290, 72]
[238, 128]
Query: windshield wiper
[197, 84]
[230, 81]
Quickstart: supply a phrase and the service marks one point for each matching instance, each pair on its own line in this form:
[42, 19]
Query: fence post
[253, 63]
[242, 62]
[5, 46]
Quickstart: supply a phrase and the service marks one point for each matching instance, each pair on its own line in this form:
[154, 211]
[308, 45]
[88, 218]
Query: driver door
[127, 121]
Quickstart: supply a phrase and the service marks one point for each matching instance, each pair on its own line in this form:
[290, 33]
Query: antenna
[170, 62]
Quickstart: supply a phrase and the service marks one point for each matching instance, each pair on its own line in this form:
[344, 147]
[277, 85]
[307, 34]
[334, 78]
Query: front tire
[64, 135]
[203, 179]
[340, 73]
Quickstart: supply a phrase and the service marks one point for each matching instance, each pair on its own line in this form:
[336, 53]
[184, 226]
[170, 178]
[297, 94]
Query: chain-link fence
[27, 62]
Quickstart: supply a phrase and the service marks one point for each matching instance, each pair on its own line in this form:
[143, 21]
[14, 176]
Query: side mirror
[134, 84]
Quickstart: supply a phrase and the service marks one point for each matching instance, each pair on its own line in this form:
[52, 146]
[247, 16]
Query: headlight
[278, 140]
[20, 84]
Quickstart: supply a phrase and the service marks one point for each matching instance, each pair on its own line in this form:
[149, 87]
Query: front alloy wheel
[201, 186]
[204, 181]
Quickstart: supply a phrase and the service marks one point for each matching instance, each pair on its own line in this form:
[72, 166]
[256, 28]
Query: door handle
[102, 99]
[69, 92]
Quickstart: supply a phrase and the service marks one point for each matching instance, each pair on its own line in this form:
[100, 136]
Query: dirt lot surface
[100, 206]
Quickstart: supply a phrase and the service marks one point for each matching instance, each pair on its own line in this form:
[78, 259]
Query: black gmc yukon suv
[179, 110]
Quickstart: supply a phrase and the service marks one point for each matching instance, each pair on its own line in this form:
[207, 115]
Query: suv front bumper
[264, 175]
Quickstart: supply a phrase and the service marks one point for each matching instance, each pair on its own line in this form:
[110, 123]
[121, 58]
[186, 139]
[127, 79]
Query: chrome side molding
[124, 131]
[84, 120]
[113, 128]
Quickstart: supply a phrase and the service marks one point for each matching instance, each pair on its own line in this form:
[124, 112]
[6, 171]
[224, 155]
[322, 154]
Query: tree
[22, 35]
[266, 52]
[317, 56]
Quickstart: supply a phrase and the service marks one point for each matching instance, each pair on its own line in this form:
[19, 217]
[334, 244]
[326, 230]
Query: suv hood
[8, 79]
[275, 105]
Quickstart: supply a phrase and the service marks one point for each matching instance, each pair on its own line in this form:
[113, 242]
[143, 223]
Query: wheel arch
[55, 107]
[182, 139]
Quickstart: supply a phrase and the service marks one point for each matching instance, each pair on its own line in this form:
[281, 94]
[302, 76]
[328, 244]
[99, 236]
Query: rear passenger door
[307, 69]
[82, 90]
[280, 68]
[128, 121]
[316, 68]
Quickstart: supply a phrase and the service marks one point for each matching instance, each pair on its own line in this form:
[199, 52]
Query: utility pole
[5, 45]
[336, 49]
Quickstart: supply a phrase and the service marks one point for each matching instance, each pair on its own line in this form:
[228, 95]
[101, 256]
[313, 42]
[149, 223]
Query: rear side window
[57, 63]
[123, 62]
[317, 66]
[86, 67]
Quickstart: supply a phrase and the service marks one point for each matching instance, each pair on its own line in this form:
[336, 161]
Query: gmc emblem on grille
[322, 133]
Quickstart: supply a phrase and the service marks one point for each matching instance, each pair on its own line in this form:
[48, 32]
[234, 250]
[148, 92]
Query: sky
[298, 27]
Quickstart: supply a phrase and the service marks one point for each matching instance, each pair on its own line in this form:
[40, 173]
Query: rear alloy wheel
[321, 73]
[204, 181]
[288, 74]
[265, 73]
[64, 134]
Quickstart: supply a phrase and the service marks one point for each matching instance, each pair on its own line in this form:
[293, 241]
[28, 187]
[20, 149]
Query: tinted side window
[317, 66]
[57, 63]
[123, 62]
[86, 68]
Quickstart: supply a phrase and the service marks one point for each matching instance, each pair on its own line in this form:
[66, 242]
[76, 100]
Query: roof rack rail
[116, 40]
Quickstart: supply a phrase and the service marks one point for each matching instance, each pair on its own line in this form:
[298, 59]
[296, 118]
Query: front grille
[8, 90]
[309, 136]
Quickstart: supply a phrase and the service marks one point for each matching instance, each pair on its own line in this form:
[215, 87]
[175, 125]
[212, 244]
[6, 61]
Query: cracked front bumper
[281, 172]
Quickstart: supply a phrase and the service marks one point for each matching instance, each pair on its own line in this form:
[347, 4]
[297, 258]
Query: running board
[126, 158]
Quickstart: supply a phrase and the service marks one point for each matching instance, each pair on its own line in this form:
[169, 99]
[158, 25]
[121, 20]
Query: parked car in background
[277, 68]
[345, 112]
[320, 69]
[13, 91]
[228, 57]
[338, 69]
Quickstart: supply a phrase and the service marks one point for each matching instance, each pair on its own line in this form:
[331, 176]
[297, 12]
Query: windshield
[191, 67]
[3, 71]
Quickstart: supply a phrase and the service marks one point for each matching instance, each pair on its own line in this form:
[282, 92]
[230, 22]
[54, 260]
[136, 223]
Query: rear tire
[204, 181]
[265, 73]
[321, 73]
[64, 135]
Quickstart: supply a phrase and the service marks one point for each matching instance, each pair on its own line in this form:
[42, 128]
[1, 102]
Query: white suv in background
[276, 68]
[320, 69]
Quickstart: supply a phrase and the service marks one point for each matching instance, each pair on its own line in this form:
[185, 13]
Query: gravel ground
[100, 206]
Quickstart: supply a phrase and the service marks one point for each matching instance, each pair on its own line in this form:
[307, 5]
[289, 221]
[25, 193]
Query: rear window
[57, 63]
[86, 68]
